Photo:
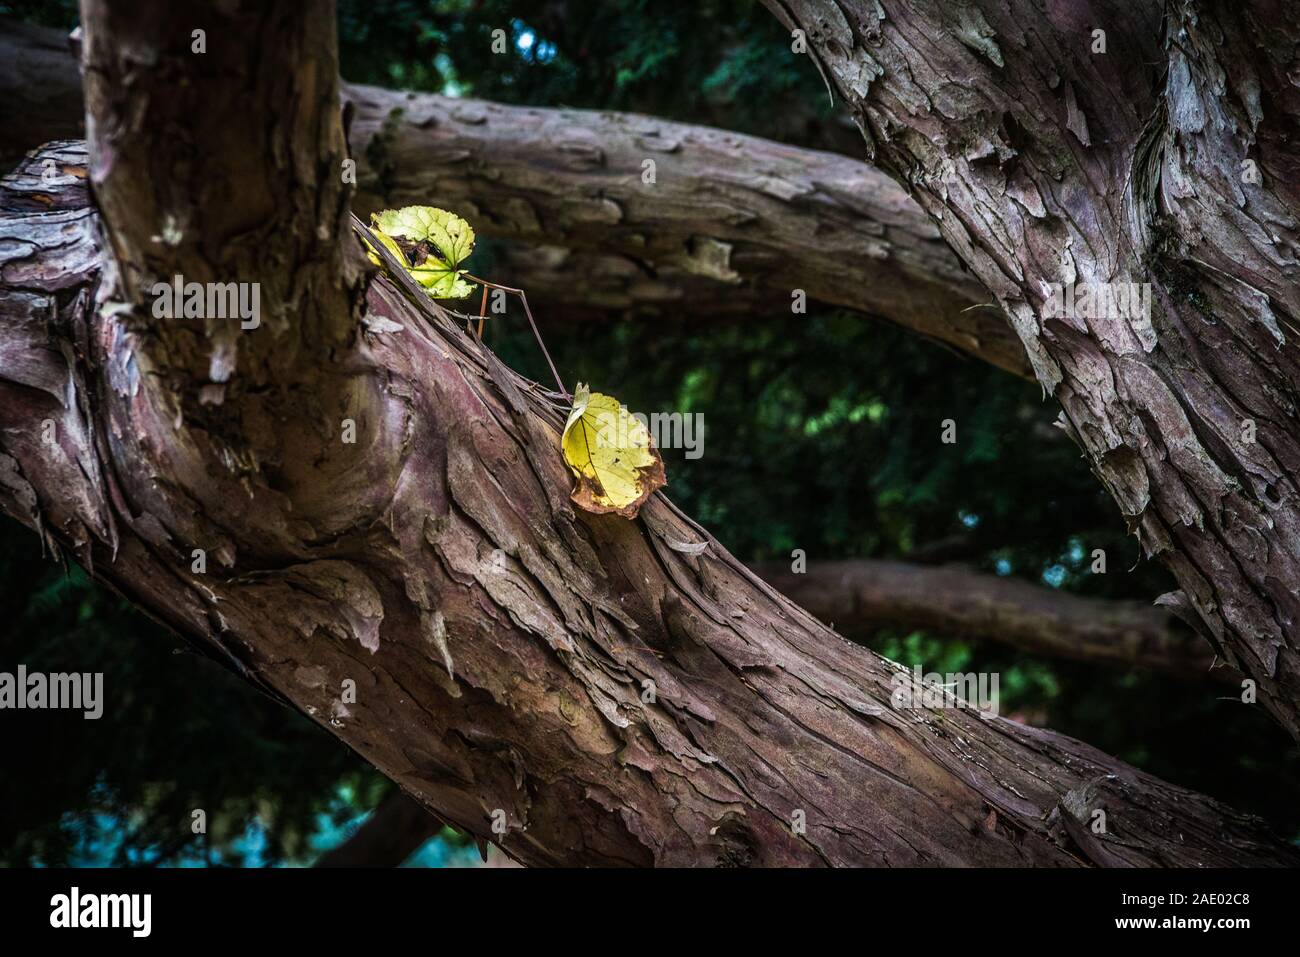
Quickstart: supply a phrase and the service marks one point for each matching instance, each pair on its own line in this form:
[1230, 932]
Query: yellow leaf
[431, 242]
[611, 454]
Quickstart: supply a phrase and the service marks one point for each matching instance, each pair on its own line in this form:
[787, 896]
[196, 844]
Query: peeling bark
[1042, 162]
[504, 647]
[730, 227]
[860, 595]
[501, 643]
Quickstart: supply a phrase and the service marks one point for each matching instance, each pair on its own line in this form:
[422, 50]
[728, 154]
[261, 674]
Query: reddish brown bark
[1044, 162]
[501, 642]
[728, 222]
[731, 225]
[614, 691]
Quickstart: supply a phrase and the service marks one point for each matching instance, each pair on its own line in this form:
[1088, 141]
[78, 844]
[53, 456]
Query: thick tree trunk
[504, 646]
[1045, 162]
[606, 691]
[731, 226]
[860, 595]
[497, 162]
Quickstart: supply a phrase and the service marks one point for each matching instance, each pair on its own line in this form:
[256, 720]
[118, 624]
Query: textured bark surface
[1043, 162]
[500, 642]
[730, 227]
[443, 143]
[857, 596]
[504, 647]
[737, 220]
[209, 186]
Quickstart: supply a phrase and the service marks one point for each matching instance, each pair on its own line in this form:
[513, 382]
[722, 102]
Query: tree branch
[217, 162]
[859, 595]
[1046, 163]
[604, 688]
[752, 218]
[181, 194]
[730, 227]
[396, 829]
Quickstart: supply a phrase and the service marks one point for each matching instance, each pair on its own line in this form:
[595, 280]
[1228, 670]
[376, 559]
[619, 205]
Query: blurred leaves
[177, 733]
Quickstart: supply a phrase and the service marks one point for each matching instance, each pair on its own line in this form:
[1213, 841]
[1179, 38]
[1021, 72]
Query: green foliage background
[822, 433]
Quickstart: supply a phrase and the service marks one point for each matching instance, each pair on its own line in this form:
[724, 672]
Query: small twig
[523, 297]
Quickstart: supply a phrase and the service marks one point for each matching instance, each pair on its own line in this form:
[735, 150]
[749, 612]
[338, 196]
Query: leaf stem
[523, 297]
